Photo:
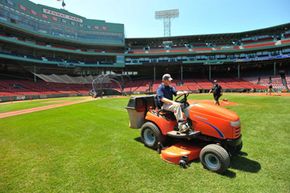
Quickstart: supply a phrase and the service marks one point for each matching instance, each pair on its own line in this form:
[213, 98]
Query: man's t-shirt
[216, 89]
[166, 92]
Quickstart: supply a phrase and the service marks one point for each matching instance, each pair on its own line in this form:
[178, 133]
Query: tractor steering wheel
[183, 100]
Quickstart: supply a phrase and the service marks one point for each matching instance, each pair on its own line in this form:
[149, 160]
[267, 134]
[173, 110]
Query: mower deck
[176, 134]
[175, 153]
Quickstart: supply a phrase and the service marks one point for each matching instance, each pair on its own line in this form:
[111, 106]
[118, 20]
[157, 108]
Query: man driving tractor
[165, 94]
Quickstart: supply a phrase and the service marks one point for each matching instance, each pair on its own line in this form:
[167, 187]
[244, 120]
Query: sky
[195, 16]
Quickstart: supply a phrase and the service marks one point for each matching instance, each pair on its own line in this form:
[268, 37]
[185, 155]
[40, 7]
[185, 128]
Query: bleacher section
[21, 88]
[53, 46]
[265, 81]
[247, 45]
[10, 88]
[194, 85]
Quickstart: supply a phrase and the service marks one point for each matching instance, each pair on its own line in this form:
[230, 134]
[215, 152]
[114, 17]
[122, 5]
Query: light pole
[166, 16]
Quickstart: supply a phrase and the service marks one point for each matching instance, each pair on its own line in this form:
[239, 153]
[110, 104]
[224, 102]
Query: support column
[34, 71]
[239, 71]
[209, 72]
[181, 72]
[274, 70]
[33, 53]
[154, 73]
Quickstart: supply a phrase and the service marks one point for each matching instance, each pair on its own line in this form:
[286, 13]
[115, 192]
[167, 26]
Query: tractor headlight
[236, 123]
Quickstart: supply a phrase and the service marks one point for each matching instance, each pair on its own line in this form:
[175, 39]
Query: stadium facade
[37, 41]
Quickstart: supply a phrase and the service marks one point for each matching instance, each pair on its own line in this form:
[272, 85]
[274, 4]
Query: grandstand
[48, 52]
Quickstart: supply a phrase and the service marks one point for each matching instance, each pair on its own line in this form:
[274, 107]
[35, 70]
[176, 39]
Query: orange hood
[212, 111]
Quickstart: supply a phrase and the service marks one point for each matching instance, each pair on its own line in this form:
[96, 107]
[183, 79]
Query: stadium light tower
[167, 15]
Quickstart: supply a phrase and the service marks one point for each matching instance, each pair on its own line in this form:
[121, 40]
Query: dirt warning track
[42, 108]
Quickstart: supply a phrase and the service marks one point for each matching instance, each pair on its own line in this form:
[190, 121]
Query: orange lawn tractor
[214, 134]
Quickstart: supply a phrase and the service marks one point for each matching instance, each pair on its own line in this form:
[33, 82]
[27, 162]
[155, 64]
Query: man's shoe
[183, 127]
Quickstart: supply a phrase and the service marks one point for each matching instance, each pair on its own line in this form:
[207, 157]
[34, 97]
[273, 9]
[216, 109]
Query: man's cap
[166, 77]
[215, 81]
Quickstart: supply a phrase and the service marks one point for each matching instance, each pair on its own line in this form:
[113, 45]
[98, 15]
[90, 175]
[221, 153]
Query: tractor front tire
[214, 158]
[151, 135]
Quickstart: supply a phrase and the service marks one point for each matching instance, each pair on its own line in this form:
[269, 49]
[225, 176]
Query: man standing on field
[217, 92]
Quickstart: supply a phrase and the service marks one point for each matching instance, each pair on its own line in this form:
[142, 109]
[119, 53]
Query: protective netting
[104, 84]
[108, 84]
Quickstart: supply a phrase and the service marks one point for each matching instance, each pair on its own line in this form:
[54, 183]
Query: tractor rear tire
[215, 158]
[151, 135]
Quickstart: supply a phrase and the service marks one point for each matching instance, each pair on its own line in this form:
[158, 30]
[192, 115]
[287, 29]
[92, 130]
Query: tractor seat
[167, 114]
[163, 112]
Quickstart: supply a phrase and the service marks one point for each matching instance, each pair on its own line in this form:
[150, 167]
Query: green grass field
[89, 147]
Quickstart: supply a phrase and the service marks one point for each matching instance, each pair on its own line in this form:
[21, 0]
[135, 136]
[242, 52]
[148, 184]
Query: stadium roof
[220, 38]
